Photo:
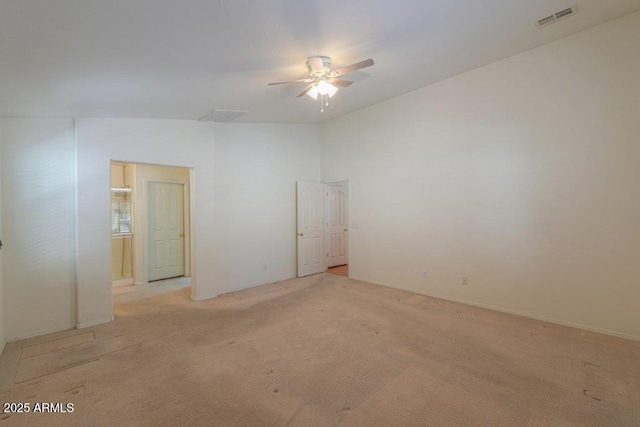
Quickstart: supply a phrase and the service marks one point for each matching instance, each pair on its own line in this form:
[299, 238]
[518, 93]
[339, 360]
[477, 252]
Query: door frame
[141, 277]
[334, 182]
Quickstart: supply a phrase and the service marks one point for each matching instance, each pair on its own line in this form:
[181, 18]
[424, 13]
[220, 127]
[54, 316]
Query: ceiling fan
[324, 82]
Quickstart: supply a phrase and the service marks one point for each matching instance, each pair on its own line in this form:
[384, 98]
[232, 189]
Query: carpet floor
[321, 350]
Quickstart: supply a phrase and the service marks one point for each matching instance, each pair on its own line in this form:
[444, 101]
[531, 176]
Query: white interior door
[165, 207]
[311, 255]
[337, 224]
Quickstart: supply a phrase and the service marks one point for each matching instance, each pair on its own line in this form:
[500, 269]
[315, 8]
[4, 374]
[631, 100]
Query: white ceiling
[179, 59]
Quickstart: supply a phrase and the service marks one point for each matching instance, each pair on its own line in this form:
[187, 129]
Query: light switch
[354, 225]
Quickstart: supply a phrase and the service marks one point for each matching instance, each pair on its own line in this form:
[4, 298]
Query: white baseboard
[243, 288]
[510, 311]
[83, 325]
[202, 298]
[122, 282]
[37, 334]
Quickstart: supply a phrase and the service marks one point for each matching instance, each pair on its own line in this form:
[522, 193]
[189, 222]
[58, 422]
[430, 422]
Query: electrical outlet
[425, 274]
[465, 280]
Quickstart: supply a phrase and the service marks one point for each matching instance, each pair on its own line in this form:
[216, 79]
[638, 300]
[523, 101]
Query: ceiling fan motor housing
[326, 65]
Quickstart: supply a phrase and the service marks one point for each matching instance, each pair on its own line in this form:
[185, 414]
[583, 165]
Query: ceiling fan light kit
[323, 82]
[322, 88]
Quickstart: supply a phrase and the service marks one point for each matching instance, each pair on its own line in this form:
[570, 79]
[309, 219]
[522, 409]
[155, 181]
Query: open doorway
[150, 230]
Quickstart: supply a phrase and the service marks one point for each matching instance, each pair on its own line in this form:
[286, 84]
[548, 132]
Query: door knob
[345, 229]
[300, 234]
[181, 235]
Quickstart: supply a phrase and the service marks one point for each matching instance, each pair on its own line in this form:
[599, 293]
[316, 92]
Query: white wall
[256, 167]
[38, 205]
[163, 142]
[2, 334]
[522, 175]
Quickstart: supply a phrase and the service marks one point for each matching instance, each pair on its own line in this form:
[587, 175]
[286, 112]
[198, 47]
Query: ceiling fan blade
[353, 67]
[306, 89]
[341, 82]
[315, 62]
[290, 81]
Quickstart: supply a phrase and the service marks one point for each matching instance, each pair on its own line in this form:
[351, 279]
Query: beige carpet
[322, 350]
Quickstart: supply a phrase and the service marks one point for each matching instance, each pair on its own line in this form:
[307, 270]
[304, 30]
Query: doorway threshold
[125, 294]
[341, 270]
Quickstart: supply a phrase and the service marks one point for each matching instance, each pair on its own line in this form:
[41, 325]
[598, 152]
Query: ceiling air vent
[218, 115]
[570, 11]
